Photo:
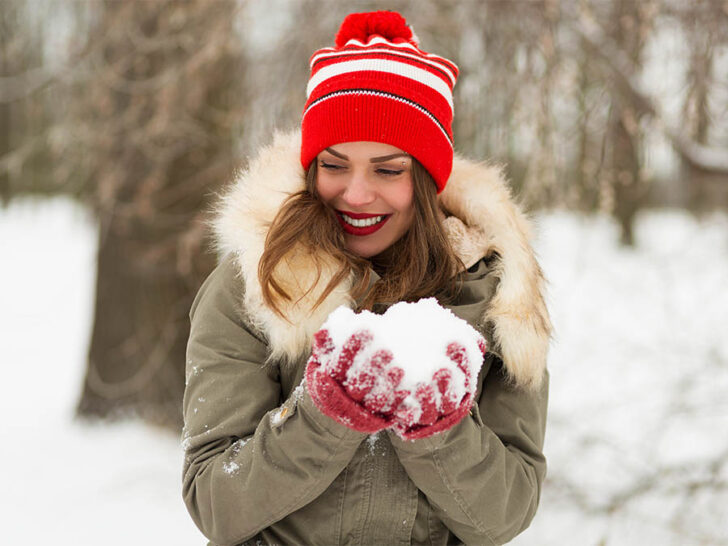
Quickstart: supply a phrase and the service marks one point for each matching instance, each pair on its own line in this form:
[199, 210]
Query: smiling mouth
[361, 224]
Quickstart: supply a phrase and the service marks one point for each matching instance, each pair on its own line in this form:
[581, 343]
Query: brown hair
[420, 264]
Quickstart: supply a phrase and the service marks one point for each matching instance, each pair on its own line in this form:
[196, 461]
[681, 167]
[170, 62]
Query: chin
[365, 249]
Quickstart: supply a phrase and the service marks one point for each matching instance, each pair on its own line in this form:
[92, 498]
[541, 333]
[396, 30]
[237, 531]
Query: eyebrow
[372, 160]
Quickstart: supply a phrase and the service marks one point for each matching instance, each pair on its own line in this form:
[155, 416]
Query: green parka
[264, 466]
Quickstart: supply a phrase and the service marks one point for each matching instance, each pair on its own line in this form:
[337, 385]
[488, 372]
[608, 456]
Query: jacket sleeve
[483, 476]
[242, 470]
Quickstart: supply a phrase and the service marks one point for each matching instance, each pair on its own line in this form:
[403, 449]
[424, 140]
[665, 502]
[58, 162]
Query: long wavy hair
[422, 263]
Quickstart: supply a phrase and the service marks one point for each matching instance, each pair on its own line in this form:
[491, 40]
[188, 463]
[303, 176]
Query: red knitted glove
[436, 406]
[362, 398]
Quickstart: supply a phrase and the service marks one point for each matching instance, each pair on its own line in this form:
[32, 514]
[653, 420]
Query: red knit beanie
[377, 85]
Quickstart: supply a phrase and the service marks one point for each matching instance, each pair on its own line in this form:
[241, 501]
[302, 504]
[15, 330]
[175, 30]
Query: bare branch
[703, 157]
[16, 87]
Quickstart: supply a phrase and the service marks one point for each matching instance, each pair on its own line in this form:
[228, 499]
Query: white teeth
[364, 222]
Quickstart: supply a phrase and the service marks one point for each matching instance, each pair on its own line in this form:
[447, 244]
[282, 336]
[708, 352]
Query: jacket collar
[483, 219]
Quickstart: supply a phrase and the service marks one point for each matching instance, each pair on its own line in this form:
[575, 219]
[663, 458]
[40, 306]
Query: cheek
[408, 217]
[404, 200]
[325, 187]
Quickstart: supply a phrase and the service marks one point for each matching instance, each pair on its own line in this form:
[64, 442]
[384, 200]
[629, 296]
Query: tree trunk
[168, 88]
[136, 358]
[629, 30]
[4, 147]
[696, 114]
[6, 33]
[625, 171]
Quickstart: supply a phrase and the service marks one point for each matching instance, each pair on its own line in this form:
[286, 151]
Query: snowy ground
[65, 482]
[637, 439]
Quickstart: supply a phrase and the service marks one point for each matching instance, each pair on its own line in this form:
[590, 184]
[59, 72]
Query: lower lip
[361, 231]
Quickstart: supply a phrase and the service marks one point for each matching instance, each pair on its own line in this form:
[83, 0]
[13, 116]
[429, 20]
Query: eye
[389, 172]
[331, 166]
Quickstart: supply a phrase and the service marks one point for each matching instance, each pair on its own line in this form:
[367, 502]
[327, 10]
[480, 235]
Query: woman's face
[369, 185]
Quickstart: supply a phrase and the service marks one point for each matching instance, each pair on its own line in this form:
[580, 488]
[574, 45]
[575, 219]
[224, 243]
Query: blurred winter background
[119, 121]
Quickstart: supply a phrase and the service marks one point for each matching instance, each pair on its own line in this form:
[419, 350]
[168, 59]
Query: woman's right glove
[363, 397]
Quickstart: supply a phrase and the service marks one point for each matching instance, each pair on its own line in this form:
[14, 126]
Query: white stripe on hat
[381, 65]
[323, 55]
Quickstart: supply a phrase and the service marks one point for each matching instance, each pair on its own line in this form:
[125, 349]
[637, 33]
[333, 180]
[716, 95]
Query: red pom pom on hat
[387, 24]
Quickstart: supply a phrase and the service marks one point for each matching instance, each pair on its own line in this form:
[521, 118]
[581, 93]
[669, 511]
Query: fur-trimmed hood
[483, 219]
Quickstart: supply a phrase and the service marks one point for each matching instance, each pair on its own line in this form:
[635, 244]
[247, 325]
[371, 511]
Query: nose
[359, 191]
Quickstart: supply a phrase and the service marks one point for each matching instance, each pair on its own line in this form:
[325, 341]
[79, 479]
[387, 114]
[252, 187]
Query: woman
[364, 208]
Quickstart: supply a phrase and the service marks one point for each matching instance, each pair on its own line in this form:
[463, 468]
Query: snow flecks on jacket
[194, 370]
[237, 446]
[297, 393]
[186, 440]
[230, 467]
[375, 444]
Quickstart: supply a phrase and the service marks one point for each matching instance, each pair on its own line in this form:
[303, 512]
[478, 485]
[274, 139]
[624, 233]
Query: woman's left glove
[363, 399]
[442, 402]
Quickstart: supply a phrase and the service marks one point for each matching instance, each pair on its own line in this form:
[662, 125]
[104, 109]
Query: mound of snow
[417, 334]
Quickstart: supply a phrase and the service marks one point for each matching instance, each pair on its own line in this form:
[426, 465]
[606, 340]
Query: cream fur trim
[478, 195]
[484, 219]
[241, 227]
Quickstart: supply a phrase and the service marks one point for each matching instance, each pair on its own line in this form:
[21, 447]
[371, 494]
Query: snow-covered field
[637, 438]
[65, 482]
[638, 426]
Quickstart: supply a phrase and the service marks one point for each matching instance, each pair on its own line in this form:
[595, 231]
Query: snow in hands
[413, 369]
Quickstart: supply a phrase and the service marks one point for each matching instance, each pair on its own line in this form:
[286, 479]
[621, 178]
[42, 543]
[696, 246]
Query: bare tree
[22, 118]
[624, 70]
[157, 117]
[629, 28]
[7, 24]
[705, 34]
